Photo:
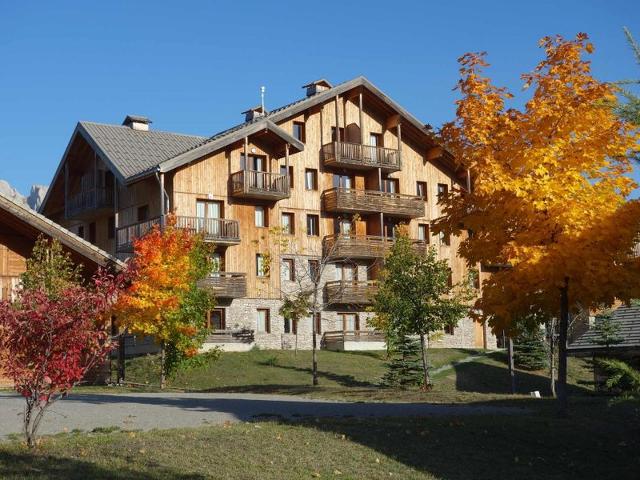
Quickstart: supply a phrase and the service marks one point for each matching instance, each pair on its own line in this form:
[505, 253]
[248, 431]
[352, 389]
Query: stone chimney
[137, 122]
[317, 86]
[253, 113]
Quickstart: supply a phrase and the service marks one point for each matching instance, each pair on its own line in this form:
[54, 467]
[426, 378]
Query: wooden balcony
[357, 156]
[352, 340]
[362, 246]
[226, 284]
[259, 185]
[230, 336]
[350, 292]
[90, 201]
[217, 230]
[372, 201]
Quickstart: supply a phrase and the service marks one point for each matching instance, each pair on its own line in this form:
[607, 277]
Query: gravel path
[170, 410]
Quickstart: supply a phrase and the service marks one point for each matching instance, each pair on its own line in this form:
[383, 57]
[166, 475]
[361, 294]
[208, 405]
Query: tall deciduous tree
[550, 190]
[164, 300]
[415, 296]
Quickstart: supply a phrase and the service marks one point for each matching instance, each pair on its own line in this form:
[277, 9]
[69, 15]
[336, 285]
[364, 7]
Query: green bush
[622, 378]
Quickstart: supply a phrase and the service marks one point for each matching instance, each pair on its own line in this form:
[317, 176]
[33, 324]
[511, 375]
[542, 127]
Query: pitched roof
[132, 152]
[53, 230]
[628, 319]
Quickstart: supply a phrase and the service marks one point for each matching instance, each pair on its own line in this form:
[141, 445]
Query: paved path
[169, 410]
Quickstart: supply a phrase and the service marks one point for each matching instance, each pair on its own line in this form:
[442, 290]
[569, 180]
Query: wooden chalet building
[336, 172]
[20, 227]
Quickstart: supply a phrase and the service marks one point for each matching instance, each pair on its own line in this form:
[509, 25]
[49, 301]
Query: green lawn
[354, 376]
[598, 442]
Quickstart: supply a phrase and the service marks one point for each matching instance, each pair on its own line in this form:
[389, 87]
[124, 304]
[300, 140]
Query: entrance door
[216, 319]
[206, 212]
[350, 322]
[374, 141]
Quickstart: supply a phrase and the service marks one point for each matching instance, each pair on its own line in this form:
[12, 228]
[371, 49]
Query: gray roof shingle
[133, 152]
[628, 318]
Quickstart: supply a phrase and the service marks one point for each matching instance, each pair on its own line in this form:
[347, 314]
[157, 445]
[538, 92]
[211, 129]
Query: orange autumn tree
[550, 191]
[163, 299]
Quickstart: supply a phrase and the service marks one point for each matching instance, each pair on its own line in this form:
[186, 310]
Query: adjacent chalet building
[321, 181]
[20, 227]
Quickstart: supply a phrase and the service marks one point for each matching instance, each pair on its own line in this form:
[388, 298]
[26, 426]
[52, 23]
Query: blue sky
[192, 67]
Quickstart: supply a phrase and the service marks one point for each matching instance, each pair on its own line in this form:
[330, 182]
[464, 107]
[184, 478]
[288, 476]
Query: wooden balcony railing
[217, 230]
[230, 336]
[334, 340]
[261, 185]
[373, 201]
[347, 292]
[226, 284]
[360, 157]
[126, 235]
[362, 246]
[88, 200]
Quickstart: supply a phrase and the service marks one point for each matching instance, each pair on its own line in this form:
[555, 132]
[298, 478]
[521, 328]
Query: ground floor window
[449, 329]
[350, 321]
[216, 319]
[290, 326]
[263, 320]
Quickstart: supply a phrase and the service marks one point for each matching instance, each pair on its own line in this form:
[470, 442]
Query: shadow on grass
[20, 465]
[344, 380]
[479, 377]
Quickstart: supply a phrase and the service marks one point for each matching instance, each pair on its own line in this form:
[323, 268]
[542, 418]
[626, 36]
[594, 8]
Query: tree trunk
[425, 364]
[552, 356]
[295, 351]
[163, 379]
[121, 353]
[314, 369]
[561, 388]
[512, 370]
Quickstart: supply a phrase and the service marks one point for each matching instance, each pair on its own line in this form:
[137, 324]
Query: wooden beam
[162, 205]
[393, 121]
[360, 118]
[434, 153]
[337, 121]
[400, 142]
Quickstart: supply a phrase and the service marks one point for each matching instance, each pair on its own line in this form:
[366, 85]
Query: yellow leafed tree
[550, 190]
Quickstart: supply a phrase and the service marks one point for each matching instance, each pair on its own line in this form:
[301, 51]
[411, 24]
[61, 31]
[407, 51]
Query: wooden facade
[364, 164]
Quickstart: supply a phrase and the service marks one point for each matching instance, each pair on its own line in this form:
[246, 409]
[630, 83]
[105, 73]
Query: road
[135, 411]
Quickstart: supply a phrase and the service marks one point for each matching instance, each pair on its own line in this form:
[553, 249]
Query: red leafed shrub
[51, 341]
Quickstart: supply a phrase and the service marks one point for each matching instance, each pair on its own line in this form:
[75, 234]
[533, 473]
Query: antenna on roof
[262, 90]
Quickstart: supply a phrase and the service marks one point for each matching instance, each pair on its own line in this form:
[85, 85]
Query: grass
[353, 376]
[598, 442]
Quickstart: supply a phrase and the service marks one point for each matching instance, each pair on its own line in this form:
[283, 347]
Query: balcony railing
[261, 185]
[230, 336]
[360, 157]
[125, 236]
[217, 230]
[226, 284]
[88, 200]
[373, 201]
[362, 246]
[350, 292]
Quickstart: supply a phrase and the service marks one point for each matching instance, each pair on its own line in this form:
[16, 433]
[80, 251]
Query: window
[333, 134]
[443, 189]
[216, 319]
[111, 227]
[313, 225]
[261, 216]
[423, 232]
[261, 266]
[290, 326]
[298, 131]
[256, 162]
[288, 269]
[343, 181]
[217, 263]
[343, 226]
[209, 209]
[444, 238]
[283, 171]
[143, 213]
[345, 272]
[421, 190]
[311, 179]
[314, 270]
[390, 185]
[350, 321]
[449, 329]
[287, 223]
[81, 231]
[263, 320]
[92, 232]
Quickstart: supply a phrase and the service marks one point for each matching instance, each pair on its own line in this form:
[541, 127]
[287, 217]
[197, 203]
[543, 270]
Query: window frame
[292, 223]
[261, 271]
[223, 318]
[427, 230]
[301, 126]
[267, 320]
[265, 216]
[442, 190]
[315, 222]
[292, 268]
[314, 185]
[421, 186]
[284, 171]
